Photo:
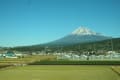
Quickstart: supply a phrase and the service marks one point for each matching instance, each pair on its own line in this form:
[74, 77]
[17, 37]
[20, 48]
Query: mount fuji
[80, 35]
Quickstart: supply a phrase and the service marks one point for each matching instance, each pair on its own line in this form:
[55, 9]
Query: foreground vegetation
[25, 60]
[59, 72]
[75, 62]
[47, 68]
[116, 69]
[52, 60]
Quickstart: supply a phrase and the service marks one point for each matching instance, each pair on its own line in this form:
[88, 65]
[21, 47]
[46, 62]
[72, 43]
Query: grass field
[59, 72]
[26, 60]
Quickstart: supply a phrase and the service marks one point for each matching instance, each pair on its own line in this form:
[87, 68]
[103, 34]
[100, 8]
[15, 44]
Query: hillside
[80, 40]
[106, 45]
[100, 45]
[80, 35]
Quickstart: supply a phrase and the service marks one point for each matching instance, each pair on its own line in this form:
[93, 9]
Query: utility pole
[94, 47]
[111, 44]
[61, 49]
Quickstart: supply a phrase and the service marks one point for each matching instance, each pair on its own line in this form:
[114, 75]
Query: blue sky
[28, 22]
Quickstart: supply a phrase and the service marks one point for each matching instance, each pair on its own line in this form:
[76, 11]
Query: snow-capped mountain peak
[80, 35]
[83, 31]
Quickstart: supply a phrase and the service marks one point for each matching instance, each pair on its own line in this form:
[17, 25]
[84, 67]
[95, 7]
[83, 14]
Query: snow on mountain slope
[83, 31]
[80, 35]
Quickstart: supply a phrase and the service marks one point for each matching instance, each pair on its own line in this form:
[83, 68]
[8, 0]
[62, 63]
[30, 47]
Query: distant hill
[80, 35]
[99, 45]
[82, 39]
[107, 45]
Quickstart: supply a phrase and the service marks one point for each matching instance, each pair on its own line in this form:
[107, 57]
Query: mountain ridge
[98, 45]
[80, 35]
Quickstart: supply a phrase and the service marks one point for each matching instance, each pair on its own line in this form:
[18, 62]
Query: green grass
[116, 69]
[59, 72]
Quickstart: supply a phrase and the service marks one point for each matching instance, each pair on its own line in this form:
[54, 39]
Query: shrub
[76, 63]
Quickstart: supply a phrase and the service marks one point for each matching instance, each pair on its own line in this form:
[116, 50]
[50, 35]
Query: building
[9, 54]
